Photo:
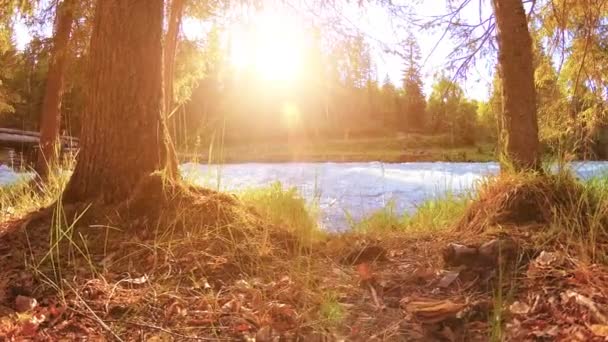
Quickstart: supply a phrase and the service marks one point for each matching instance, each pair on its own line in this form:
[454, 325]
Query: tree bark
[518, 92]
[124, 136]
[50, 117]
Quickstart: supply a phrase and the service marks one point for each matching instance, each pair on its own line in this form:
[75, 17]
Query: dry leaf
[364, 271]
[433, 311]
[448, 279]
[599, 329]
[519, 308]
[137, 281]
[546, 258]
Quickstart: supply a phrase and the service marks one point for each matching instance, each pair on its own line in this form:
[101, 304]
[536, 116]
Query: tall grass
[583, 225]
[430, 216]
[286, 207]
[28, 193]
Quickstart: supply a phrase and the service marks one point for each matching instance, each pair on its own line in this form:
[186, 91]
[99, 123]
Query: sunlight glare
[291, 115]
[272, 47]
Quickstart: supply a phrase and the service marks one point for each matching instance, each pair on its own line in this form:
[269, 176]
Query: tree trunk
[175, 19]
[169, 52]
[50, 117]
[124, 136]
[518, 92]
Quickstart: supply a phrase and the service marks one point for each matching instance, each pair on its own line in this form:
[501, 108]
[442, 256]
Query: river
[359, 189]
[350, 189]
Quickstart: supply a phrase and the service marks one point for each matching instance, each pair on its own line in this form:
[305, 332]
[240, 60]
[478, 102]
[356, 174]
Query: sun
[271, 46]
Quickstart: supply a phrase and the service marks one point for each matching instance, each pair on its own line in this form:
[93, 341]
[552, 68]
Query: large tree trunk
[518, 91]
[124, 137]
[50, 117]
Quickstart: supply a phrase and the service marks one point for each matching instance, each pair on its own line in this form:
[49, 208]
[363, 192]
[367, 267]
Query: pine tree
[414, 102]
[515, 59]
[125, 75]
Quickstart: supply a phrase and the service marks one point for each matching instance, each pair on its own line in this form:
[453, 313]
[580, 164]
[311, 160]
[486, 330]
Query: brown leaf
[364, 271]
[448, 279]
[599, 329]
[433, 311]
[519, 308]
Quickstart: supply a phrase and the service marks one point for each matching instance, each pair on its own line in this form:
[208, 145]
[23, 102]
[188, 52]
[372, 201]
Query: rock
[497, 251]
[456, 255]
[492, 253]
[25, 304]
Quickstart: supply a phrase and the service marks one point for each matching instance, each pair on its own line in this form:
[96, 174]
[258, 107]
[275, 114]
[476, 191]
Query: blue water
[357, 189]
[345, 191]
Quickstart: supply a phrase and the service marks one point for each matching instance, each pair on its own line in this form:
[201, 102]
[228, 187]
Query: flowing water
[356, 190]
[353, 190]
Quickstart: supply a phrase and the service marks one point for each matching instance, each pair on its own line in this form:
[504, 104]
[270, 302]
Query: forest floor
[525, 260]
[408, 148]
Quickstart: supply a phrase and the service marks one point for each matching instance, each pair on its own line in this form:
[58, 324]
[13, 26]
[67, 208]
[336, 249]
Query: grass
[29, 194]
[431, 216]
[286, 207]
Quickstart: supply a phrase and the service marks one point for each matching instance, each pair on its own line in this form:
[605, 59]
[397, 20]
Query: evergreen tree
[114, 158]
[389, 103]
[414, 102]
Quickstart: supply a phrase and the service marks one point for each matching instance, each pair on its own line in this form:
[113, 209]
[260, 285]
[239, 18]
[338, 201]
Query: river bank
[406, 148]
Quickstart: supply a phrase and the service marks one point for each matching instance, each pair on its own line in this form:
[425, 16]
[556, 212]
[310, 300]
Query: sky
[435, 50]
[384, 31]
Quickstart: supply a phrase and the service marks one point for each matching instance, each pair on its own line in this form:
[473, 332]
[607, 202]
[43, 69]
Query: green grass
[286, 207]
[431, 216]
[28, 195]
[331, 311]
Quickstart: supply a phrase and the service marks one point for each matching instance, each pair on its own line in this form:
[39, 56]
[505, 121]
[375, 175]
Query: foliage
[451, 112]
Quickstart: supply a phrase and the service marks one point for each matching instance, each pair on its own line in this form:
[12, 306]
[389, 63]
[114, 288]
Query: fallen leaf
[519, 308]
[242, 327]
[550, 332]
[434, 311]
[29, 329]
[588, 303]
[599, 329]
[546, 258]
[448, 279]
[364, 271]
[137, 281]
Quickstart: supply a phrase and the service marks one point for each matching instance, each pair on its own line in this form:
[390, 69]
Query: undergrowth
[431, 216]
[285, 207]
[562, 211]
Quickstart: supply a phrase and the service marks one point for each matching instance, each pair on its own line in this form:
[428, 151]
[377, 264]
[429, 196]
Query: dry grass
[180, 262]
